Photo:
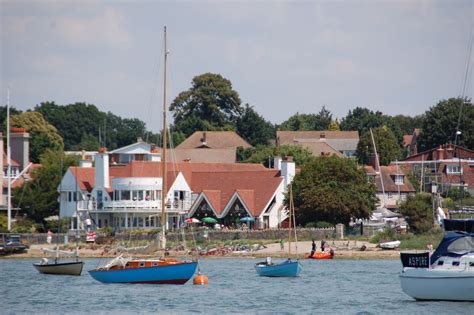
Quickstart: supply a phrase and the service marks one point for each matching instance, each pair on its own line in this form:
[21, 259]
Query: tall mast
[163, 158]
[9, 194]
[289, 222]
[377, 161]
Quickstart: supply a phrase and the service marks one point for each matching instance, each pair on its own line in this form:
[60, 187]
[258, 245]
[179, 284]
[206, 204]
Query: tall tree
[210, 102]
[39, 197]
[407, 123]
[305, 122]
[43, 135]
[387, 145]
[265, 154]
[334, 190]
[418, 212]
[254, 128]
[3, 116]
[440, 124]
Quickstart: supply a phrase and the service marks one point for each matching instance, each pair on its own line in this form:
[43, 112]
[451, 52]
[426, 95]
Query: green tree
[334, 125]
[387, 146]
[407, 124]
[254, 128]
[38, 198]
[3, 116]
[305, 122]
[43, 135]
[209, 103]
[418, 212]
[439, 126]
[332, 189]
[265, 154]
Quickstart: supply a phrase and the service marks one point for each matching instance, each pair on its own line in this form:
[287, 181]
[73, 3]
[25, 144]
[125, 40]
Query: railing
[130, 205]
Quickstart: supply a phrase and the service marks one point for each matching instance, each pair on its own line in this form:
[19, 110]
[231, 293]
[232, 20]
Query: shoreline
[343, 250]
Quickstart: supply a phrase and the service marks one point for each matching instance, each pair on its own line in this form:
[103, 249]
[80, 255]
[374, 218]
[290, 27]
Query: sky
[282, 57]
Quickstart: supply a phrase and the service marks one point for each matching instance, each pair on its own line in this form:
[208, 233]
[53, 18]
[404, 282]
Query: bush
[418, 212]
[387, 234]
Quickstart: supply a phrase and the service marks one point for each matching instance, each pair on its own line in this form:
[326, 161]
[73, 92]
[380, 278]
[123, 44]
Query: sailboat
[286, 268]
[126, 269]
[58, 267]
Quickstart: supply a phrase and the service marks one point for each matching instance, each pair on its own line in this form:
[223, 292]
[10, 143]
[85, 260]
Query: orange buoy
[200, 279]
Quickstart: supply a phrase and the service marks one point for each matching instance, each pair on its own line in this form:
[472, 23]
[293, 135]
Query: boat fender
[200, 279]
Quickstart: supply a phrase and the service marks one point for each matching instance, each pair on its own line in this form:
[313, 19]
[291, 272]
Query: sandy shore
[343, 250]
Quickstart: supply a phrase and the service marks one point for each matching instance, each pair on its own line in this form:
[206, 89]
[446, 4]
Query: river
[331, 286]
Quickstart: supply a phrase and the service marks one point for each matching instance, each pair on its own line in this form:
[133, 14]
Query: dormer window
[399, 179]
[453, 169]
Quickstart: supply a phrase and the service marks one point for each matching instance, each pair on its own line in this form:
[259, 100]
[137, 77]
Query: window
[453, 169]
[399, 179]
[125, 195]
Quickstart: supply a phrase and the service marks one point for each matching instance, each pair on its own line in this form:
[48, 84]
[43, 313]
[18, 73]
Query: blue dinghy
[287, 268]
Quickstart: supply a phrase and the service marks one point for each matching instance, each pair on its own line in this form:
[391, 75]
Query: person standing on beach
[282, 247]
[49, 237]
[313, 248]
[323, 245]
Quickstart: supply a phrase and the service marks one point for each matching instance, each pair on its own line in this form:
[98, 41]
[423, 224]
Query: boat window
[471, 264]
[155, 263]
[462, 245]
[440, 263]
[142, 264]
[455, 263]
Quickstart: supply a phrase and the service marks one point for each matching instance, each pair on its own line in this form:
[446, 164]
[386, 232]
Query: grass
[410, 241]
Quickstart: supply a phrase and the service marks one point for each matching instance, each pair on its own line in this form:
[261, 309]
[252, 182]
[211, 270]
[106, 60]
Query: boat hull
[432, 284]
[319, 256]
[66, 268]
[284, 269]
[168, 274]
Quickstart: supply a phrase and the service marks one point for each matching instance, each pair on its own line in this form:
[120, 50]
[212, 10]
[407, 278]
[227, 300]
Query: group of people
[323, 248]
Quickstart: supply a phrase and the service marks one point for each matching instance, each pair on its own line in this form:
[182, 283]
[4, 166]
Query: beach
[349, 249]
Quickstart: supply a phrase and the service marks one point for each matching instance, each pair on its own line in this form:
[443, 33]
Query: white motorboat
[389, 245]
[447, 274]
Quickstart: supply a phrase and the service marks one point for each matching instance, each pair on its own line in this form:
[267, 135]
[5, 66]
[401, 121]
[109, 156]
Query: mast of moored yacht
[163, 158]
[289, 222]
[9, 185]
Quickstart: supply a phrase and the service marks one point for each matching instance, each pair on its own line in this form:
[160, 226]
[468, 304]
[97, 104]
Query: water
[332, 286]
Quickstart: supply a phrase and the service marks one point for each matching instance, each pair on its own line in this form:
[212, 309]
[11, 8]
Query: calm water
[337, 287]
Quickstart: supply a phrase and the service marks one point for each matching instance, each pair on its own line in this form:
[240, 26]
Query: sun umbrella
[209, 220]
[247, 219]
[192, 220]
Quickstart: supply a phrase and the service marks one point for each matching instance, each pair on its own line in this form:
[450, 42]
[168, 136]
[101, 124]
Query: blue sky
[399, 57]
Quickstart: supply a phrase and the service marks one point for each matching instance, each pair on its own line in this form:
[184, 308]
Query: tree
[334, 125]
[39, 197]
[304, 122]
[210, 102]
[332, 189]
[254, 128]
[407, 124]
[418, 212]
[386, 143]
[43, 135]
[265, 154]
[363, 119]
[3, 116]
[440, 124]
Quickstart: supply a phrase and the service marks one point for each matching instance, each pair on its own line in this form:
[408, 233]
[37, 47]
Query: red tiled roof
[255, 188]
[407, 140]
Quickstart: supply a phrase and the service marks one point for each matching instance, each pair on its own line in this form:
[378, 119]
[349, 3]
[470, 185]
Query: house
[340, 143]
[410, 142]
[125, 196]
[20, 165]
[447, 166]
[393, 186]
[214, 140]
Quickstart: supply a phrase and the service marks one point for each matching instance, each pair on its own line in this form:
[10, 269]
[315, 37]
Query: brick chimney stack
[20, 146]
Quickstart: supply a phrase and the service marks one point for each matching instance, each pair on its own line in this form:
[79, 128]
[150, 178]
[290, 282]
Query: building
[126, 196]
[410, 142]
[340, 143]
[446, 166]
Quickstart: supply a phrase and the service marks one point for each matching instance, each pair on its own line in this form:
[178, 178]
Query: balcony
[123, 206]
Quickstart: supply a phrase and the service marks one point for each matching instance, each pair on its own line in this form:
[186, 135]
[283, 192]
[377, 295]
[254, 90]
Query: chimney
[322, 136]
[440, 153]
[449, 151]
[203, 139]
[102, 169]
[288, 170]
[277, 162]
[20, 146]
[139, 139]
[373, 162]
[154, 155]
[85, 163]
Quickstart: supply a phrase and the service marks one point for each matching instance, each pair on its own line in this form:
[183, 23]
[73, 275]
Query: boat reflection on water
[448, 274]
